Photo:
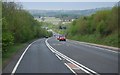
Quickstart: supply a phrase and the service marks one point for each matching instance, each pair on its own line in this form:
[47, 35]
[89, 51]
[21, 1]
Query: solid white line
[70, 69]
[70, 60]
[49, 46]
[16, 66]
[81, 68]
[58, 57]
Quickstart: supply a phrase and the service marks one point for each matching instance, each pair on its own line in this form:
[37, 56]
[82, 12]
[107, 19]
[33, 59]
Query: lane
[98, 60]
[103, 52]
[39, 59]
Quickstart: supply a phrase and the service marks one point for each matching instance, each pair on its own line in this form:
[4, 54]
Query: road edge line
[67, 58]
[18, 62]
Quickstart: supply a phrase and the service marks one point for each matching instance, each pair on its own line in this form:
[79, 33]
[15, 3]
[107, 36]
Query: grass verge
[111, 40]
[11, 52]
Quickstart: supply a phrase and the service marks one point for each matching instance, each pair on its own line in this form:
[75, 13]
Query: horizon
[66, 5]
[66, 9]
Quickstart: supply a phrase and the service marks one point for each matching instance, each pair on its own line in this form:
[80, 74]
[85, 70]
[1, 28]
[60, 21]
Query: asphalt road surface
[39, 59]
[101, 61]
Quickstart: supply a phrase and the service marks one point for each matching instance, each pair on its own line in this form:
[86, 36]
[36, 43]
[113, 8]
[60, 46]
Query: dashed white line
[70, 69]
[58, 57]
[86, 70]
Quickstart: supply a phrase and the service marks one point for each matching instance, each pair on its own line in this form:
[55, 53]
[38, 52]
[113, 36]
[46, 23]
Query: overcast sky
[66, 5]
[65, 0]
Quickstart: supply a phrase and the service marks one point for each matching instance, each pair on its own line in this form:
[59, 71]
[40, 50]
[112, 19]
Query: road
[39, 59]
[101, 61]
[53, 56]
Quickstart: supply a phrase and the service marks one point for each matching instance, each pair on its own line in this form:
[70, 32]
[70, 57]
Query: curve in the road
[82, 67]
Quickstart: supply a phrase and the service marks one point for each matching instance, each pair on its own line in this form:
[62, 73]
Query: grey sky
[66, 5]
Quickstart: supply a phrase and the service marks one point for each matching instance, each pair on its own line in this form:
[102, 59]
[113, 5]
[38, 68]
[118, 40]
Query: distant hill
[65, 13]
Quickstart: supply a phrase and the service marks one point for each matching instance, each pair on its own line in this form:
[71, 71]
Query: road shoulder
[11, 62]
[97, 45]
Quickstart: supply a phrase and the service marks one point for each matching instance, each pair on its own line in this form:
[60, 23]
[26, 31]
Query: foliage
[100, 27]
[7, 40]
[18, 25]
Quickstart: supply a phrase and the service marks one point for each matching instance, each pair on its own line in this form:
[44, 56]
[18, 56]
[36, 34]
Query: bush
[18, 25]
[7, 41]
[100, 28]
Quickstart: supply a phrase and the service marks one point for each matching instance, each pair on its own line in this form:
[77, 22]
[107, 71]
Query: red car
[61, 38]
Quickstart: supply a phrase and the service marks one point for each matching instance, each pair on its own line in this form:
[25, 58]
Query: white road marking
[58, 57]
[49, 47]
[70, 69]
[82, 67]
[16, 66]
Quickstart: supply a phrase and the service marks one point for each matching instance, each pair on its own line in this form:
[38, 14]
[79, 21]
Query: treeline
[0, 22]
[18, 26]
[101, 27]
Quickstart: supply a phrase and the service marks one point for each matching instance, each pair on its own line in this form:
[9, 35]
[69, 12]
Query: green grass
[111, 40]
[12, 50]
